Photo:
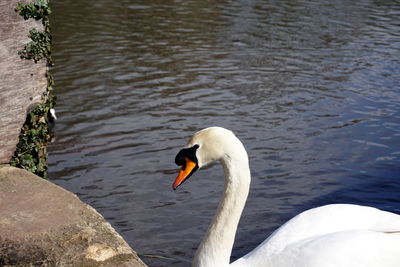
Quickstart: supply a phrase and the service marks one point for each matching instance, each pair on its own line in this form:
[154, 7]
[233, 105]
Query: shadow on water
[310, 87]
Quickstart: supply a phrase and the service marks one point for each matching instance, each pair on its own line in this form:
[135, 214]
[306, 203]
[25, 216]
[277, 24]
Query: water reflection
[310, 87]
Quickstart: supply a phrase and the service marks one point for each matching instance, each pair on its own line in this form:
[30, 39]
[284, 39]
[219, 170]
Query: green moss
[31, 153]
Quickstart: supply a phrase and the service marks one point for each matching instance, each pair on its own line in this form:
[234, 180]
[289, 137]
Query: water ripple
[311, 87]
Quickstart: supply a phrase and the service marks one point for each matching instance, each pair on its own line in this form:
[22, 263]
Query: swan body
[337, 235]
[331, 236]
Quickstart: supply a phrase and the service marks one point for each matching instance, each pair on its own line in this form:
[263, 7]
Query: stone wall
[22, 82]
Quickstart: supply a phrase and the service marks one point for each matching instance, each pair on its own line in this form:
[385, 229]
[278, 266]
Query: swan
[336, 235]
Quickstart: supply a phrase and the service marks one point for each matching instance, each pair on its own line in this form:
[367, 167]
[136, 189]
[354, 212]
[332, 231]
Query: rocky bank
[42, 224]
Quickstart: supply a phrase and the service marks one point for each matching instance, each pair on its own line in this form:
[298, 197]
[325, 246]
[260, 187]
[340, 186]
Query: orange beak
[185, 172]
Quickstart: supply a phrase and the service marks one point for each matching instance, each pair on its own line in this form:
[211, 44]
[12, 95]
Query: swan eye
[189, 153]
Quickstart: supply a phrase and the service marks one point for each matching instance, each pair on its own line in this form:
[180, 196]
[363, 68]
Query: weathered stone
[42, 224]
[22, 82]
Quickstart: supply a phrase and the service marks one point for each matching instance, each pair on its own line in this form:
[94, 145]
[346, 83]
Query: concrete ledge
[42, 224]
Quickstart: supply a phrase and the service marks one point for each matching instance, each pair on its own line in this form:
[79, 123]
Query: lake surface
[312, 88]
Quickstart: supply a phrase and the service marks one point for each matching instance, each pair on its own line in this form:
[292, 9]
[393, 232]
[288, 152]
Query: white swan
[340, 235]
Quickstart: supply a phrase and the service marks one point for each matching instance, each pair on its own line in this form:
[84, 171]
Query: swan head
[206, 146]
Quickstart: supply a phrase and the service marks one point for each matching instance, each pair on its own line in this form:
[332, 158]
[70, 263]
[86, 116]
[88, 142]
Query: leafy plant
[31, 151]
[38, 10]
[39, 47]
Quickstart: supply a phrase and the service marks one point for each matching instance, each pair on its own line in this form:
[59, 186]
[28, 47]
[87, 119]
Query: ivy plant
[39, 47]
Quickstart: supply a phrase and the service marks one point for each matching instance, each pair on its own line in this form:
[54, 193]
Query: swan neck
[216, 247]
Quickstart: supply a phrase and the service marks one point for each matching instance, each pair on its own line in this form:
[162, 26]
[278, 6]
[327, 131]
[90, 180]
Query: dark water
[312, 88]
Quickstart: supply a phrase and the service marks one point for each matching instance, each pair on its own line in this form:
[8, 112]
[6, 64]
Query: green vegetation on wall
[40, 46]
[31, 153]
